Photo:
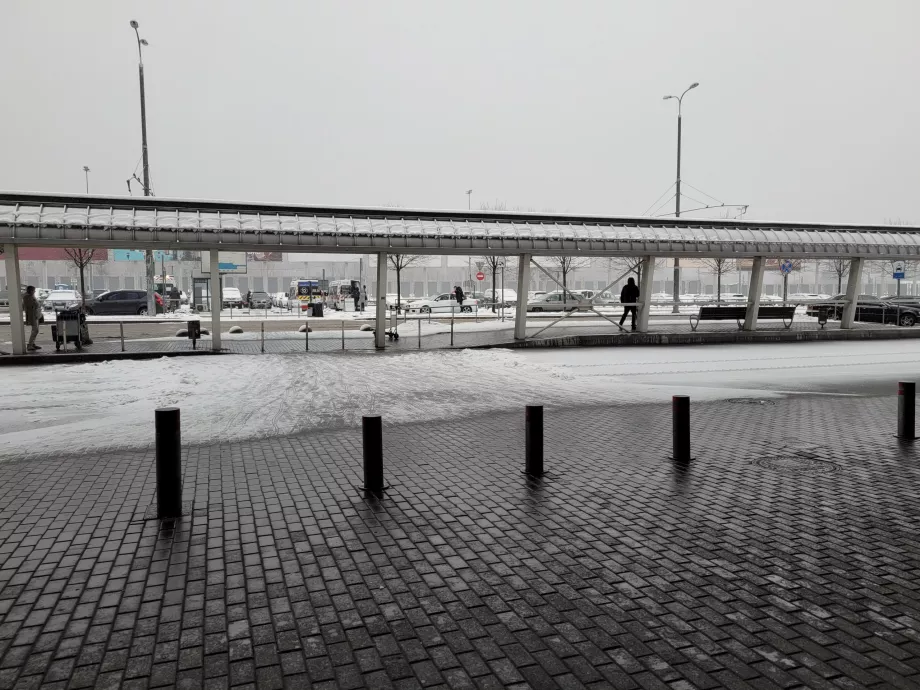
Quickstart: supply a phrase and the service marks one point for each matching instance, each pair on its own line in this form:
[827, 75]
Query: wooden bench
[738, 314]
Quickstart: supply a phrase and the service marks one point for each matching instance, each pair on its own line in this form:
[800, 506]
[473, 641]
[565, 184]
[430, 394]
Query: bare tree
[718, 266]
[839, 267]
[81, 258]
[565, 266]
[398, 262]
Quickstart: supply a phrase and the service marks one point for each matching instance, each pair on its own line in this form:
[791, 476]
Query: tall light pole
[680, 101]
[469, 259]
[86, 172]
[149, 263]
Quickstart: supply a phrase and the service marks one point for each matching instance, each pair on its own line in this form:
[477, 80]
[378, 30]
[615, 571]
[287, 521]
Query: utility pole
[149, 262]
[469, 259]
[86, 172]
[680, 100]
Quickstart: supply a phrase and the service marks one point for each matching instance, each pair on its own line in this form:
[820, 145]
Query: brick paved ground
[619, 569]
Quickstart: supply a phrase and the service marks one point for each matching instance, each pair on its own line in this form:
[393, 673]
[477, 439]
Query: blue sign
[786, 267]
[138, 255]
[899, 272]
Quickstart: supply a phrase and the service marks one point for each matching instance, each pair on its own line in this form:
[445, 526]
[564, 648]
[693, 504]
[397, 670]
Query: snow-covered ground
[68, 409]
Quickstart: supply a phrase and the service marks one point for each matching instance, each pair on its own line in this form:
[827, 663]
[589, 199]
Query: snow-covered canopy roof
[153, 223]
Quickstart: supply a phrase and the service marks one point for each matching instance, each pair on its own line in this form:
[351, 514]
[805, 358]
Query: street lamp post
[149, 263]
[86, 172]
[469, 259]
[680, 100]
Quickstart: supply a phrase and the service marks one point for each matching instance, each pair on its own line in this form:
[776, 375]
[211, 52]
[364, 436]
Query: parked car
[600, 299]
[535, 294]
[123, 303]
[445, 302]
[260, 300]
[903, 300]
[869, 308]
[58, 300]
[553, 301]
[231, 297]
[280, 300]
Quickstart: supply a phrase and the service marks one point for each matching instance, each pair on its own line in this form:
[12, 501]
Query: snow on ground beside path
[94, 407]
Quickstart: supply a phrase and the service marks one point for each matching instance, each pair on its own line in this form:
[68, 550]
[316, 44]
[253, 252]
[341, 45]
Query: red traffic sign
[480, 276]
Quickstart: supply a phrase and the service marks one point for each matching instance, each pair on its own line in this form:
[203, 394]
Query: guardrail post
[420, 332]
[306, 336]
[372, 436]
[169, 462]
[533, 440]
[121, 333]
[452, 326]
[680, 409]
[263, 336]
[343, 333]
[907, 396]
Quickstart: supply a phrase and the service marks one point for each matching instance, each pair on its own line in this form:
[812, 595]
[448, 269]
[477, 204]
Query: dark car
[260, 300]
[869, 308]
[122, 303]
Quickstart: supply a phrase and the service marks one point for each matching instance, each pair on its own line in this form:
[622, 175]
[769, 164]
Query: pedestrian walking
[356, 296]
[363, 297]
[249, 298]
[33, 311]
[458, 293]
[629, 295]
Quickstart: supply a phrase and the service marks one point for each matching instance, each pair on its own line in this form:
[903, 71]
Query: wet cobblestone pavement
[784, 556]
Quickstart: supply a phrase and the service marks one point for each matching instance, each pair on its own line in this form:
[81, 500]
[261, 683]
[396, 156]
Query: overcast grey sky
[806, 110]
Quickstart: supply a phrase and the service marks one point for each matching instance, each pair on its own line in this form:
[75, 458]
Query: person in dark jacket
[629, 295]
[458, 293]
[356, 296]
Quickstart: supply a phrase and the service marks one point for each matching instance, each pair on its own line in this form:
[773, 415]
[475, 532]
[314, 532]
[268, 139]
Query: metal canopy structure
[34, 220]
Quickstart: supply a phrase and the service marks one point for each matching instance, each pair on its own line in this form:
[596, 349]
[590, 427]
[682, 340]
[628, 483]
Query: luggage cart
[70, 327]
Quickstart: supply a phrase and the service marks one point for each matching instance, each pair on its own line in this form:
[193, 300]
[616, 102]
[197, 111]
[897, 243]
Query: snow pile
[94, 407]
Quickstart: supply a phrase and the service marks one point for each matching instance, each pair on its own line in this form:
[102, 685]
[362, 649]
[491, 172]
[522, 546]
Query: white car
[231, 297]
[62, 299]
[535, 294]
[444, 302]
[280, 299]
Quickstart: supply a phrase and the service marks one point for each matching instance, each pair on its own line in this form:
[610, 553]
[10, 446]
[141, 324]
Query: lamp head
[694, 85]
[85, 168]
[144, 42]
[134, 25]
[667, 97]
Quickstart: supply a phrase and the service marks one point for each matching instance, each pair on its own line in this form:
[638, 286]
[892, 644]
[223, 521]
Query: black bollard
[907, 396]
[169, 462]
[533, 440]
[372, 427]
[680, 408]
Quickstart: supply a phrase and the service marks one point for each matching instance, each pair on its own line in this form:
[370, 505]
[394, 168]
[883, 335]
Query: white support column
[217, 298]
[754, 290]
[645, 293]
[14, 287]
[849, 310]
[381, 322]
[520, 315]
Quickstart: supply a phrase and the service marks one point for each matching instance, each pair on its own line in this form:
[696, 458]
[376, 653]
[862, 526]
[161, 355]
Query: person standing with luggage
[33, 311]
[629, 295]
[363, 297]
